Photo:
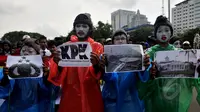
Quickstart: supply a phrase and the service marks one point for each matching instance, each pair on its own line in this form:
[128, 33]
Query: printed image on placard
[24, 66]
[177, 64]
[124, 58]
[75, 54]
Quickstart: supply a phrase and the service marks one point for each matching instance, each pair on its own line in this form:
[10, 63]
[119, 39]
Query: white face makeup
[27, 51]
[177, 44]
[82, 30]
[163, 33]
[120, 39]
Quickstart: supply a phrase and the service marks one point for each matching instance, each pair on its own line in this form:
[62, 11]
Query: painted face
[82, 30]
[177, 44]
[26, 50]
[163, 33]
[120, 39]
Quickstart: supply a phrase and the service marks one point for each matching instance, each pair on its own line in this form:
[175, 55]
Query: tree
[141, 34]
[102, 31]
[188, 35]
[15, 36]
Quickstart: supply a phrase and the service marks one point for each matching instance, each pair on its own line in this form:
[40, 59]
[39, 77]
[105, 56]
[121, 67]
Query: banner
[124, 58]
[76, 54]
[177, 64]
[24, 66]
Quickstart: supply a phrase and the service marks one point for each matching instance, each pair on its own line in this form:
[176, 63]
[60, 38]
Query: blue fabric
[28, 95]
[1, 73]
[120, 92]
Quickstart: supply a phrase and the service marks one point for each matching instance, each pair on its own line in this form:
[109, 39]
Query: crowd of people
[79, 87]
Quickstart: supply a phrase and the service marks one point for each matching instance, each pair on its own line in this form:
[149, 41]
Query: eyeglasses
[118, 38]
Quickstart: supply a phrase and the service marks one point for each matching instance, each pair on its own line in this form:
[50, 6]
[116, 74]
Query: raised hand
[153, 70]
[146, 61]
[94, 59]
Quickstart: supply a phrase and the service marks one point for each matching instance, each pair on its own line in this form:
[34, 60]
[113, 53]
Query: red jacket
[80, 85]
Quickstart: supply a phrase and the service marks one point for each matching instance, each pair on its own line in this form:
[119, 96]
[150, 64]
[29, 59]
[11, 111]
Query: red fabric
[46, 61]
[80, 85]
[17, 52]
[3, 59]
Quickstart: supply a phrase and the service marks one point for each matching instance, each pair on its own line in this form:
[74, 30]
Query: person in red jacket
[80, 85]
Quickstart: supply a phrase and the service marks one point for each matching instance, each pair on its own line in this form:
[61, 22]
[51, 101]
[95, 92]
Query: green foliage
[141, 34]
[16, 36]
[60, 40]
[188, 35]
[102, 31]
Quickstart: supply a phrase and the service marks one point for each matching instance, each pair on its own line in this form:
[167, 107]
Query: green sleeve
[197, 86]
[151, 53]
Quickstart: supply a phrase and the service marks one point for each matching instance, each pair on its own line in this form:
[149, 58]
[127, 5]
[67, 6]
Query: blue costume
[27, 95]
[120, 91]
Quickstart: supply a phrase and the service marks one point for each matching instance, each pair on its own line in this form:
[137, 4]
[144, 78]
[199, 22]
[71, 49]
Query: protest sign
[124, 58]
[177, 64]
[76, 54]
[24, 66]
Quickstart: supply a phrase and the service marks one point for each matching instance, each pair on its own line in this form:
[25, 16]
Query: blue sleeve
[144, 75]
[47, 87]
[5, 90]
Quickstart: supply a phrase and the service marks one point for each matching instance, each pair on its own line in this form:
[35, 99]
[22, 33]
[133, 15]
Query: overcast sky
[55, 17]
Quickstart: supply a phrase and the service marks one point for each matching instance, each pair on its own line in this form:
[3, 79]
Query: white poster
[124, 58]
[25, 66]
[177, 64]
[76, 54]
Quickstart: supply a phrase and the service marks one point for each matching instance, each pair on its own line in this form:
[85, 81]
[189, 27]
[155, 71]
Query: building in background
[139, 19]
[127, 19]
[121, 18]
[186, 15]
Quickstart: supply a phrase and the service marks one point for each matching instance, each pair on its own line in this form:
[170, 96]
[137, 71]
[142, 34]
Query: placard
[24, 66]
[124, 58]
[177, 64]
[76, 54]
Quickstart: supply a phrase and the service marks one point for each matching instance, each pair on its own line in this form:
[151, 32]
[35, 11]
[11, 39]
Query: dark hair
[42, 38]
[58, 40]
[119, 32]
[7, 42]
[51, 43]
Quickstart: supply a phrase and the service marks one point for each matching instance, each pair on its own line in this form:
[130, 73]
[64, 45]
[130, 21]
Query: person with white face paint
[168, 94]
[28, 94]
[82, 30]
[80, 85]
[119, 91]
[177, 44]
[163, 34]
